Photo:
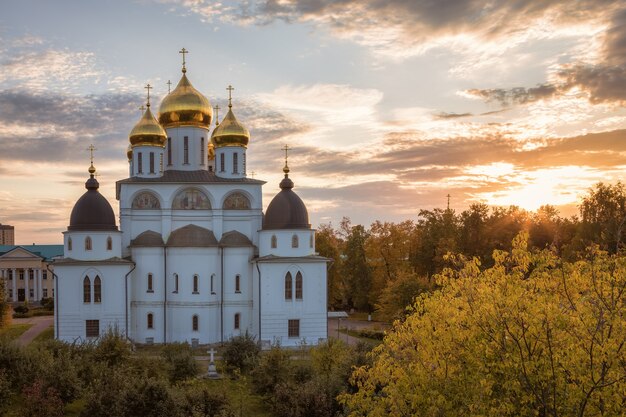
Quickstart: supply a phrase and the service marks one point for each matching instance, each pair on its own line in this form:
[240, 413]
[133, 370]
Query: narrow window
[169, 151]
[195, 284]
[92, 328]
[86, 290]
[311, 241]
[44, 275]
[21, 274]
[69, 244]
[237, 320]
[31, 274]
[87, 243]
[294, 241]
[150, 289]
[235, 163]
[186, 150]
[160, 162]
[294, 328]
[194, 323]
[152, 162]
[150, 321]
[109, 243]
[288, 284]
[201, 151]
[212, 287]
[274, 242]
[237, 283]
[175, 283]
[244, 163]
[222, 163]
[97, 290]
[299, 286]
[45, 293]
[139, 163]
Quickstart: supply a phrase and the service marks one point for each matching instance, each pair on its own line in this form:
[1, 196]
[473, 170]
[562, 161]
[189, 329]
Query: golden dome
[185, 106]
[230, 132]
[129, 153]
[147, 131]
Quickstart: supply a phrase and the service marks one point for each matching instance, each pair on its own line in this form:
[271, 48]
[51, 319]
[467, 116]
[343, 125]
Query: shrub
[199, 401]
[241, 353]
[48, 303]
[274, 368]
[180, 361]
[310, 399]
[21, 309]
[41, 402]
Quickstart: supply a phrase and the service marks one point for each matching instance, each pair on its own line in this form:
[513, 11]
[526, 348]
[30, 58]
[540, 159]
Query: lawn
[44, 336]
[14, 331]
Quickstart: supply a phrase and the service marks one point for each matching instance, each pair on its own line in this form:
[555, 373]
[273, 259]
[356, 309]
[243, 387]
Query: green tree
[397, 297]
[355, 268]
[241, 353]
[603, 213]
[180, 361]
[328, 244]
[530, 336]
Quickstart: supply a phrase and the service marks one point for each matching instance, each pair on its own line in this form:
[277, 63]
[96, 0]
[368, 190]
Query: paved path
[40, 324]
[334, 324]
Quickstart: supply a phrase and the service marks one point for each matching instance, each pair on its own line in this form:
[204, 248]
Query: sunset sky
[389, 105]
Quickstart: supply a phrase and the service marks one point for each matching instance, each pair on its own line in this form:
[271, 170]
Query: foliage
[603, 213]
[309, 399]
[112, 348]
[328, 244]
[180, 361]
[274, 367]
[48, 303]
[241, 353]
[400, 293]
[4, 306]
[42, 402]
[532, 335]
[355, 269]
[198, 401]
[21, 309]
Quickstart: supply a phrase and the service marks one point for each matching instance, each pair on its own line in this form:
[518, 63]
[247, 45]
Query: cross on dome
[148, 87]
[184, 51]
[169, 86]
[230, 89]
[91, 148]
[286, 168]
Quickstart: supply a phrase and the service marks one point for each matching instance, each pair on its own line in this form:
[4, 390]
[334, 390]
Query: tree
[399, 295]
[328, 244]
[4, 306]
[603, 213]
[530, 336]
[355, 268]
[241, 353]
[180, 361]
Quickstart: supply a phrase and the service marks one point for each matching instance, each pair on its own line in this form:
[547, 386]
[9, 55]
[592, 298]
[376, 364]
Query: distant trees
[530, 336]
[382, 268]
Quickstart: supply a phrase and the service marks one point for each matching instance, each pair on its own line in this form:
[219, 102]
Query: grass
[14, 331]
[44, 336]
[356, 334]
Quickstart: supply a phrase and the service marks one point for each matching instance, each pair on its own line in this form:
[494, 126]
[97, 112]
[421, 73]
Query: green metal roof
[45, 251]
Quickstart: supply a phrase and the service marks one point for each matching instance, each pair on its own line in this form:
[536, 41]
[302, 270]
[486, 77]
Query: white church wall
[91, 246]
[195, 161]
[284, 242]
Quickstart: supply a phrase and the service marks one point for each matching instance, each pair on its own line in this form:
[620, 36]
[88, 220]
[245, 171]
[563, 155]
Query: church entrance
[21, 294]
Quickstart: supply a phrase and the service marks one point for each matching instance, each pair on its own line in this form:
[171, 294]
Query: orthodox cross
[91, 148]
[253, 173]
[217, 109]
[169, 86]
[448, 201]
[183, 51]
[212, 352]
[230, 95]
[142, 108]
[286, 149]
[148, 87]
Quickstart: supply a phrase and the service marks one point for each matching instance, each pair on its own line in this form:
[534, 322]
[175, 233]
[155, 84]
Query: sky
[388, 105]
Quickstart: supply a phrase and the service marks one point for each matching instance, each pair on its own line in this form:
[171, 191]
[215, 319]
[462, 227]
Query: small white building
[194, 259]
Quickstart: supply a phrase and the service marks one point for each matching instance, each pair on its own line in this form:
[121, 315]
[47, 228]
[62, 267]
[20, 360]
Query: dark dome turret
[286, 210]
[92, 211]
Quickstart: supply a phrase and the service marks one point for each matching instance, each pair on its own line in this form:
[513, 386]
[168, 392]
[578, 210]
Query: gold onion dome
[230, 132]
[147, 131]
[185, 106]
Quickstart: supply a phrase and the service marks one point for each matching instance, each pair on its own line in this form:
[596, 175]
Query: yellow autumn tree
[530, 336]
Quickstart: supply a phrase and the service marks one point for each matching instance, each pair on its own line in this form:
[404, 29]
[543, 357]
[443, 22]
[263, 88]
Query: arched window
[299, 286]
[175, 283]
[311, 241]
[109, 243]
[150, 289]
[288, 286]
[97, 290]
[235, 163]
[294, 241]
[237, 283]
[86, 290]
[274, 242]
[237, 321]
[195, 284]
[69, 243]
[212, 284]
[150, 321]
[194, 323]
[87, 243]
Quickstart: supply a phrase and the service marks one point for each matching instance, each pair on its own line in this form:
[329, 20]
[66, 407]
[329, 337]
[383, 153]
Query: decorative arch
[146, 200]
[236, 201]
[191, 199]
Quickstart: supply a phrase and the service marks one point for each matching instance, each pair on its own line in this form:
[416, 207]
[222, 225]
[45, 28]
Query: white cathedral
[195, 258]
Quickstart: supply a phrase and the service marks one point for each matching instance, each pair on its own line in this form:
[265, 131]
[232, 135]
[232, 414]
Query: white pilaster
[26, 278]
[14, 286]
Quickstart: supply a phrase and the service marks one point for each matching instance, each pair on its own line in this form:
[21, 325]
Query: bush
[274, 368]
[199, 401]
[47, 303]
[180, 362]
[21, 309]
[41, 402]
[241, 353]
[310, 399]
